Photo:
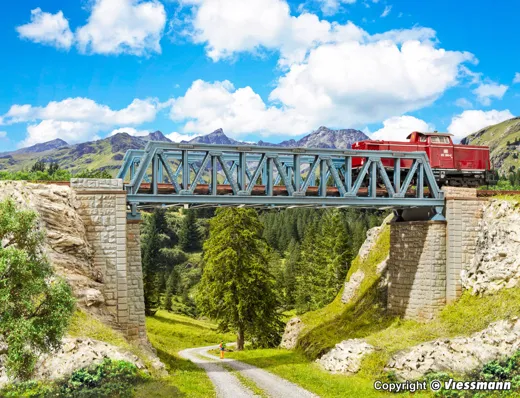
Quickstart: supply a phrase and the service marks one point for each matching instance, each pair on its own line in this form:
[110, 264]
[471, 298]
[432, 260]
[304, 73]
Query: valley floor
[262, 373]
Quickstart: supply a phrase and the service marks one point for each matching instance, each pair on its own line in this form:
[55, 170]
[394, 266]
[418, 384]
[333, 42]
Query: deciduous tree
[35, 304]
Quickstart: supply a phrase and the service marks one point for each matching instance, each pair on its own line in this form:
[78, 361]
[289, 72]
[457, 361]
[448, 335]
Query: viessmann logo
[437, 385]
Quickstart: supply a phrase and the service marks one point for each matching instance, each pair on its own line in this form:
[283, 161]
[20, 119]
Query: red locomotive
[455, 165]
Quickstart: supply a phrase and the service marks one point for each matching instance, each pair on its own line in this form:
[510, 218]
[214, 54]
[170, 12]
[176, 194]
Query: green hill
[106, 154]
[503, 140]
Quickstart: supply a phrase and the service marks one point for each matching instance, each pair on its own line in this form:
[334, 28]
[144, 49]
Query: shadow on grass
[359, 319]
[164, 319]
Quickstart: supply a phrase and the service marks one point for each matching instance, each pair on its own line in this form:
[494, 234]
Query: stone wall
[117, 256]
[463, 215]
[136, 319]
[417, 269]
[458, 192]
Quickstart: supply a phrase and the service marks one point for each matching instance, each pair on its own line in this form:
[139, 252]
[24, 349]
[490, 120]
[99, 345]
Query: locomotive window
[423, 138]
[440, 140]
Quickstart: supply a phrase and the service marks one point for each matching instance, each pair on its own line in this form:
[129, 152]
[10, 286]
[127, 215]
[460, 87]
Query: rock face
[67, 246]
[324, 137]
[346, 356]
[496, 263]
[75, 353]
[352, 286]
[291, 333]
[458, 355]
[370, 241]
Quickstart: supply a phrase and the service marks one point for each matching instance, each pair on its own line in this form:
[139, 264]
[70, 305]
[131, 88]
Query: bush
[496, 371]
[110, 378]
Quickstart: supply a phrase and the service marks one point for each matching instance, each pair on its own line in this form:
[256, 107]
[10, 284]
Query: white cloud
[229, 26]
[333, 74]
[386, 11]
[49, 29]
[516, 79]
[3, 134]
[130, 131]
[178, 137]
[397, 128]
[208, 106]
[48, 130]
[469, 122]
[486, 91]
[123, 26]
[352, 83]
[84, 110]
[330, 7]
[79, 119]
[463, 103]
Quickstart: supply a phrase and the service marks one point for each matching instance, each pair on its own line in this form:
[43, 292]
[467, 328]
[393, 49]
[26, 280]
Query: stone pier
[117, 254]
[427, 257]
[417, 269]
[464, 210]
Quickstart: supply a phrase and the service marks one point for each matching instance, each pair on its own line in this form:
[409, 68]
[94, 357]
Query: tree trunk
[240, 339]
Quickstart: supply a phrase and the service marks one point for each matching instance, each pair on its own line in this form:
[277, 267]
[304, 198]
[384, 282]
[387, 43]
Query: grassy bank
[170, 333]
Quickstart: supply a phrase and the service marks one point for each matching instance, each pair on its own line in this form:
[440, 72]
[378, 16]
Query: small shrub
[109, 379]
[496, 371]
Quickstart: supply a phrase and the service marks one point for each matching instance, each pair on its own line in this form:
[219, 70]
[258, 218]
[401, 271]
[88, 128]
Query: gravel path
[272, 385]
[226, 384]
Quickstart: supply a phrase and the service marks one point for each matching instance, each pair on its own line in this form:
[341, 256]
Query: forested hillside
[309, 250]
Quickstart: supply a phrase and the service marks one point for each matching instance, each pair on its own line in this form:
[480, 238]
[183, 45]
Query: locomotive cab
[452, 164]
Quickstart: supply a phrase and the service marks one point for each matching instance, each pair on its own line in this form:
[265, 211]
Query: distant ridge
[108, 153]
[45, 146]
[323, 137]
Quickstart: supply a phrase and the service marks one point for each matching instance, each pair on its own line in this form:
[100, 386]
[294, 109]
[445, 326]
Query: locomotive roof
[434, 133]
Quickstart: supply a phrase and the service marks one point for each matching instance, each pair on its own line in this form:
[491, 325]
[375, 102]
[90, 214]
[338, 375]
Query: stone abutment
[117, 253]
[427, 257]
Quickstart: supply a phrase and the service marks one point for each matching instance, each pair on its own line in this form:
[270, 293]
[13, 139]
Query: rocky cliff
[496, 263]
[72, 257]
[66, 244]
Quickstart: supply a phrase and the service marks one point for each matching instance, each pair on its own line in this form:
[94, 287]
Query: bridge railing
[177, 174]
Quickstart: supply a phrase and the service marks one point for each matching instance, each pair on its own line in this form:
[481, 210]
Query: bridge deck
[177, 174]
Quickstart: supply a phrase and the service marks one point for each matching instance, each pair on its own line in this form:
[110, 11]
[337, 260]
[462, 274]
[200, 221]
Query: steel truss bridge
[170, 174]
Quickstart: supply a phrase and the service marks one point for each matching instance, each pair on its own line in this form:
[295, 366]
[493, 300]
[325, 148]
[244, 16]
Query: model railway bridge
[432, 239]
[170, 174]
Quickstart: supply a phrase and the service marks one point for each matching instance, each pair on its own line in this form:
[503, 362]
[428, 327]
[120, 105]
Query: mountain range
[107, 154]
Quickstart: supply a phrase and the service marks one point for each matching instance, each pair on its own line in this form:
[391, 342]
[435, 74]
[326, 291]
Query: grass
[365, 317]
[365, 314]
[297, 368]
[169, 334]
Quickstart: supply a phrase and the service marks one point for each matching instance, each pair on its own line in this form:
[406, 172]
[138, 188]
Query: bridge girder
[197, 174]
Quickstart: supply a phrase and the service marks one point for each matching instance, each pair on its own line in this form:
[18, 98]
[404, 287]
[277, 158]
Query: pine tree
[38, 166]
[171, 287]
[335, 247]
[236, 287]
[154, 261]
[189, 238]
[291, 272]
[312, 276]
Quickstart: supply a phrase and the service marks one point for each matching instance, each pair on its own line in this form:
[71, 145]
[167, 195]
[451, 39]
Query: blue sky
[270, 69]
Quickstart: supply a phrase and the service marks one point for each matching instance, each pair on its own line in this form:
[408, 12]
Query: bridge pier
[417, 269]
[464, 210]
[117, 254]
[427, 257]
